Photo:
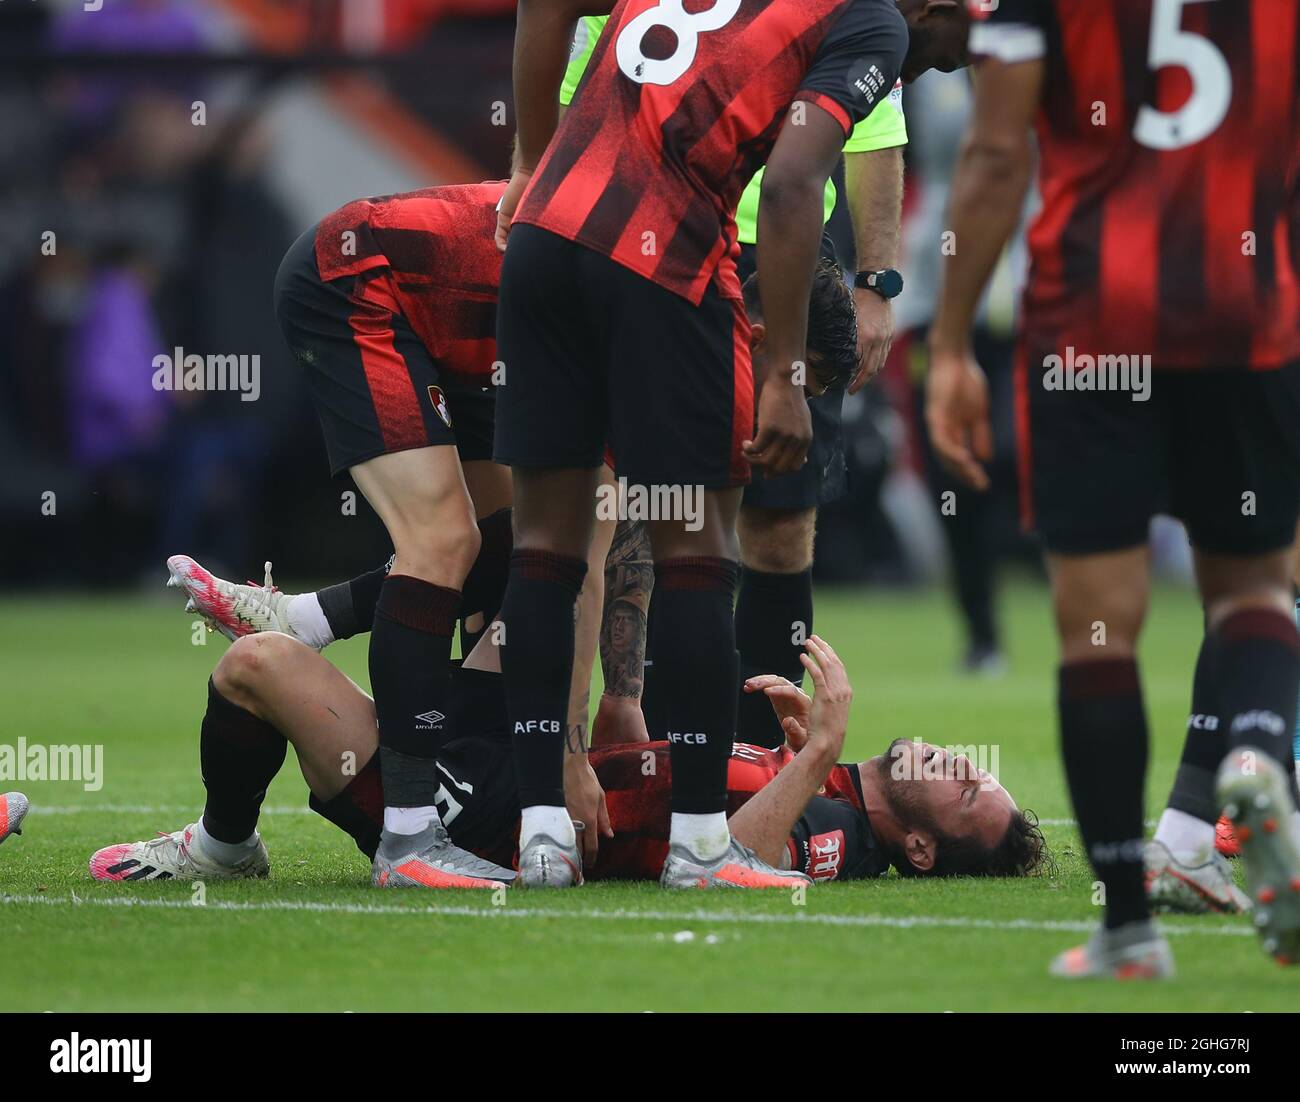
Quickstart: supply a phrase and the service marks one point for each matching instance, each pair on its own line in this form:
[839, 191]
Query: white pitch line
[150, 809]
[617, 914]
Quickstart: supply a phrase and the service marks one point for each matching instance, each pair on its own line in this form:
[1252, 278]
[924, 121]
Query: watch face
[890, 283]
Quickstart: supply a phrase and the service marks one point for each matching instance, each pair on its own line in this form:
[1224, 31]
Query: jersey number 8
[685, 27]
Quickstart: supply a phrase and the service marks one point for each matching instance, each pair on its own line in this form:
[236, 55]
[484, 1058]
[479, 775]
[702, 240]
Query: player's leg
[681, 401]
[420, 496]
[388, 420]
[774, 607]
[551, 429]
[1236, 482]
[490, 488]
[1100, 602]
[266, 689]
[1093, 475]
[1183, 871]
[553, 516]
[240, 753]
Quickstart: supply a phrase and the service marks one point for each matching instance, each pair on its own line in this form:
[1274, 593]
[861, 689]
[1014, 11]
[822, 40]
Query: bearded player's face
[930, 787]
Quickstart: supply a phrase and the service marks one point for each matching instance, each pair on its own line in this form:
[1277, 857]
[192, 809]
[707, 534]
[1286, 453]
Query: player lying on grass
[915, 807]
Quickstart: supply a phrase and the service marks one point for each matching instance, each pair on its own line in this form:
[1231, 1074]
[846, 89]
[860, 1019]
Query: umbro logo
[430, 719]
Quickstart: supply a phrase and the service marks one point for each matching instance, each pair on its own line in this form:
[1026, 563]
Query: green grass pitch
[124, 674]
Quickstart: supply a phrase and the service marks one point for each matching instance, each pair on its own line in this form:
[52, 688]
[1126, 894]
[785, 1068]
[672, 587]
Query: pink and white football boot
[179, 855]
[234, 610]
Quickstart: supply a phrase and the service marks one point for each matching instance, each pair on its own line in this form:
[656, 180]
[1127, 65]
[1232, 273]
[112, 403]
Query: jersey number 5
[685, 27]
[1211, 76]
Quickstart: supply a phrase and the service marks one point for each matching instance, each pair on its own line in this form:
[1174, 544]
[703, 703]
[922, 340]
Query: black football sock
[349, 607]
[485, 586]
[410, 656]
[360, 815]
[239, 755]
[1257, 670]
[1204, 746]
[1104, 745]
[772, 611]
[537, 661]
[698, 668]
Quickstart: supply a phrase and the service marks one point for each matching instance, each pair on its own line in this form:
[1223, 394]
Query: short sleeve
[585, 35]
[858, 63]
[832, 841]
[884, 128]
[1010, 31]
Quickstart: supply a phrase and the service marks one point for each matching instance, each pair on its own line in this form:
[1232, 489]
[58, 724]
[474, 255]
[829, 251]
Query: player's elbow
[786, 194]
[1000, 156]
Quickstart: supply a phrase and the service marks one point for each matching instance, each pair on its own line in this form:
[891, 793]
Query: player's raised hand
[784, 429]
[792, 705]
[832, 694]
[510, 203]
[957, 414]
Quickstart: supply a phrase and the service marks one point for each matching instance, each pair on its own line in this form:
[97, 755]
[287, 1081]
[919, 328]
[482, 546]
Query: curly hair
[832, 324]
[1021, 851]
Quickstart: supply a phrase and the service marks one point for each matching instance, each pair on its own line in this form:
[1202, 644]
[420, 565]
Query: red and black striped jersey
[435, 248]
[676, 112]
[832, 839]
[1169, 144]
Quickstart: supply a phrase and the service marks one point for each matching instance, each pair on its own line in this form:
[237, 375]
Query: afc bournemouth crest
[439, 401]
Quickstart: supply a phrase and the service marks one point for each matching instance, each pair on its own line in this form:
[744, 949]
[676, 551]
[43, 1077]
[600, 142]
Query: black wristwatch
[887, 282]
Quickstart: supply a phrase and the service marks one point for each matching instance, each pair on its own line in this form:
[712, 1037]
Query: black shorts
[1220, 450]
[824, 478]
[376, 387]
[595, 353]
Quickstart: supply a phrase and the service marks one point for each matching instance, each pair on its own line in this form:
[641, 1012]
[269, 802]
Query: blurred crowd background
[158, 158]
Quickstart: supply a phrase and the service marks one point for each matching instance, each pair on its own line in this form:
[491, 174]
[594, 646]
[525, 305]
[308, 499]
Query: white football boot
[13, 810]
[234, 610]
[179, 855]
[546, 863]
[1255, 794]
[1136, 951]
[431, 859]
[738, 867]
[1173, 885]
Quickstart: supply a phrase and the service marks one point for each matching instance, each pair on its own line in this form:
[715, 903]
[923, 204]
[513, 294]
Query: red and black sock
[485, 586]
[239, 755]
[1256, 673]
[1104, 744]
[410, 656]
[537, 661]
[698, 668]
[772, 611]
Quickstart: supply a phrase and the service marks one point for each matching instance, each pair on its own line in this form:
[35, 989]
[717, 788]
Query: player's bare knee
[248, 664]
[441, 550]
